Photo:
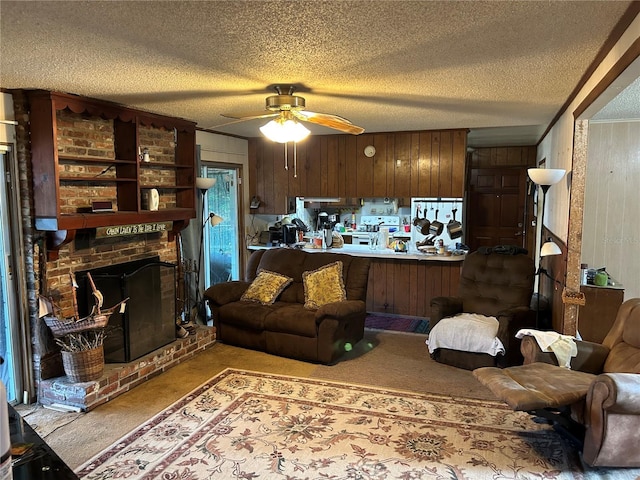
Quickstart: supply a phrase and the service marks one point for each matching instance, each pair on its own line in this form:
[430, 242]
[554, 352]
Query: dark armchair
[495, 282]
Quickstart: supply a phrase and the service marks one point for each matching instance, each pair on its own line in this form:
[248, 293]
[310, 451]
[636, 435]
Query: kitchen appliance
[289, 234]
[440, 214]
[323, 221]
[327, 237]
[275, 236]
[386, 225]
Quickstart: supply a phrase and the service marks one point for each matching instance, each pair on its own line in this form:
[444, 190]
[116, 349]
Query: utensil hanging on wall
[436, 226]
[454, 227]
[425, 224]
[417, 219]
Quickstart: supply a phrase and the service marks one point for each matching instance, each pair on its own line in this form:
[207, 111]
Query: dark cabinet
[597, 315]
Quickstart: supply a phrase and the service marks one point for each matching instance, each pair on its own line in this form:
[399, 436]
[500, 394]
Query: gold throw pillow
[266, 287]
[324, 285]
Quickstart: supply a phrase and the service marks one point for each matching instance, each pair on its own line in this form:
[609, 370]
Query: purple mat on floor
[399, 324]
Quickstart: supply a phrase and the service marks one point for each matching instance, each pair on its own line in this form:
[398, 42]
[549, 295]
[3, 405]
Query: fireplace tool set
[187, 313]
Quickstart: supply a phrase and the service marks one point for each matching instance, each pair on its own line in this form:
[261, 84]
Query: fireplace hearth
[149, 320]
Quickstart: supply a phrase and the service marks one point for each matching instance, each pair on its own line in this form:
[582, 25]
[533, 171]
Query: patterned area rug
[248, 425]
[398, 324]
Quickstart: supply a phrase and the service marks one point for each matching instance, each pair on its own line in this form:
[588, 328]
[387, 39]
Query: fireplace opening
[149, 320]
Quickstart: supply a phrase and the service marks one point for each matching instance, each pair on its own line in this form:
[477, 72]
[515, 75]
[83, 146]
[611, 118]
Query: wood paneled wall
[488, 157]
[406, 287]
[556, 267]
[611, 220]
[406, 164]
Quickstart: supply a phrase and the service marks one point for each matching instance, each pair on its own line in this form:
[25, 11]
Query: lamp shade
[284, 130]
[215, 219]
[204, 183]
[550, 248]
[546, 176]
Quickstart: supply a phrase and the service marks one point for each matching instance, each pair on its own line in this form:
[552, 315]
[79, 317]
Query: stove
[389, 221]
[373, 223]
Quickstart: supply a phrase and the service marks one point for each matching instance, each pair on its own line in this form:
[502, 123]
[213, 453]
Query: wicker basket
[61, 327]
[84, 366]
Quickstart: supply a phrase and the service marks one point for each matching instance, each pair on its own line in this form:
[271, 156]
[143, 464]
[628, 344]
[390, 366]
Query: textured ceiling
[384, 65]
[624, 106]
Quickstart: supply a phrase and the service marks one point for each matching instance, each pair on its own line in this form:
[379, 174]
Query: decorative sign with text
[135, 229]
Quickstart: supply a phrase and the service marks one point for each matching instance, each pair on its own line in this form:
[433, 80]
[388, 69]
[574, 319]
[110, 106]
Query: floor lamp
[543, 178]
[204, 184]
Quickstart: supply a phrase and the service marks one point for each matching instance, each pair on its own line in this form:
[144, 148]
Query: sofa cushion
[266, 287]
[324, 285]
[291, 318]
[244, 314]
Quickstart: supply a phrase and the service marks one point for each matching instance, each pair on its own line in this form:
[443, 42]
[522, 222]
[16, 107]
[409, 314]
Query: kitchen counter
[365, 251]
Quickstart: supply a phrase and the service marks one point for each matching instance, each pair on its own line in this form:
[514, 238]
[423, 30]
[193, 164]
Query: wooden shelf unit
[59, 176]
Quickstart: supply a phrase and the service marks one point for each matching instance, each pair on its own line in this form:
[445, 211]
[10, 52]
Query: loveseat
[297, 304]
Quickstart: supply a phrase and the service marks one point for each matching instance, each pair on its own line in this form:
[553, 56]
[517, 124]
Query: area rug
[398, 324]
[249, 425]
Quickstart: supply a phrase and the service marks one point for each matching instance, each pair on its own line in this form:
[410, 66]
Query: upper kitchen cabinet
[85, 151]
[392, 164]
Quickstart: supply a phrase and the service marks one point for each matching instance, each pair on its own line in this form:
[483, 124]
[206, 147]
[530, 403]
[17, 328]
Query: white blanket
[563, 346]
[467, 332]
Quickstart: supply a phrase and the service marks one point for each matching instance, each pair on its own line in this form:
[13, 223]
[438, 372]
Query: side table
[40, 462]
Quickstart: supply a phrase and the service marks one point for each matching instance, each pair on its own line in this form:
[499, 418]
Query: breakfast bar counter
[403, 283]
[365, 251]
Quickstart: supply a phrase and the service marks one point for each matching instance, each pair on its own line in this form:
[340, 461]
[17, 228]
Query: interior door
[497, 209]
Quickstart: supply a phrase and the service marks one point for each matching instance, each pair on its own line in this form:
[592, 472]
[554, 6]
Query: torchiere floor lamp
[543, 178]
[204, 184]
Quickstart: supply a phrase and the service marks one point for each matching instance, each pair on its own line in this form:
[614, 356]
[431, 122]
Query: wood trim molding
[620, 66]
[576, 212]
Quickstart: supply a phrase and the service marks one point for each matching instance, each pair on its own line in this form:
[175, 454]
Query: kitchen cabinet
[405, 164]
[597, 315]
[85, 150]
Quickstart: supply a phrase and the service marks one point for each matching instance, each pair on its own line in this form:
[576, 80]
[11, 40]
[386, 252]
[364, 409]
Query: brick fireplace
[93, 137]
[89, 254]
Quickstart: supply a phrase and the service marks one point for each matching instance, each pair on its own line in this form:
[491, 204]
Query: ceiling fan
[287, 106]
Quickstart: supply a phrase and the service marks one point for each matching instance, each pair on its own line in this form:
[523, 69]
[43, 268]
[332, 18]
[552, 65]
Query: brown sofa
[597, 400]
[286, 327]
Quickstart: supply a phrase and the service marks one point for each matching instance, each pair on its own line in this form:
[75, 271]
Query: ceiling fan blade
[251, 115]
[327, 120]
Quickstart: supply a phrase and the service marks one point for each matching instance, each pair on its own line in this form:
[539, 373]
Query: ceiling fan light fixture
[283, 130]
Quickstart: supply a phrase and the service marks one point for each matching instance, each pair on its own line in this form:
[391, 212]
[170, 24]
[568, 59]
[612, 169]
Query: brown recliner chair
[598, 399]
[496, 282]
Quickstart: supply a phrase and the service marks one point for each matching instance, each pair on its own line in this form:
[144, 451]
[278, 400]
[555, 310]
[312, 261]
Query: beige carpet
[383, 359]
[249, 425]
